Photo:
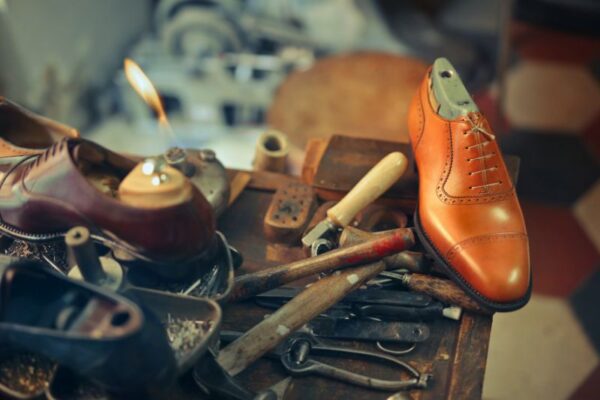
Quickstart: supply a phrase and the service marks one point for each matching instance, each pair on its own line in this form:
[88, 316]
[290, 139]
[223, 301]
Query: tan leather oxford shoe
[24, 133]
[468, 214]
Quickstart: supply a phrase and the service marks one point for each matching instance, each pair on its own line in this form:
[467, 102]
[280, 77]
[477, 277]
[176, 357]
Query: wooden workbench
[455, 354]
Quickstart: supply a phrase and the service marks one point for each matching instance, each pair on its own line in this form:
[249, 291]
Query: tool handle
[329, 371]
[309, 303]
[380, 246]
[378, 180]
[79, 243]
[410, 260]
[444, 290]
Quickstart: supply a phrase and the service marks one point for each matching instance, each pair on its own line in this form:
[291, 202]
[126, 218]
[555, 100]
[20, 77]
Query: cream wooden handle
[379, 179]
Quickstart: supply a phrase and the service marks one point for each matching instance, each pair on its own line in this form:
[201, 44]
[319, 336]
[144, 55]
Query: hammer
[418, 279]
[373, 249]
[410, 260]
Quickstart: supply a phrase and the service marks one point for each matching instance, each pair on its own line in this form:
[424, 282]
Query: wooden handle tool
[371, 250]
[443, 290]
[378, 180]
[311, 302]
[410, 260]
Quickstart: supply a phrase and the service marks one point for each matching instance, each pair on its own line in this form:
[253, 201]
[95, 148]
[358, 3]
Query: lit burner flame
[143, 86]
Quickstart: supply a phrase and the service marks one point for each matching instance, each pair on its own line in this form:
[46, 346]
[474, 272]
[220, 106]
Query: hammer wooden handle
[372, 250]
[379, 179]
[309, 303]
[410, 260]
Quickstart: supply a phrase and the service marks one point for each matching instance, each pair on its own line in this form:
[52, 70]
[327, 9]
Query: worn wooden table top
[455, 354]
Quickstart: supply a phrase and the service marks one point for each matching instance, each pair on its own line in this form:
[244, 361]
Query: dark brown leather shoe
[76, 182]
[24, 133]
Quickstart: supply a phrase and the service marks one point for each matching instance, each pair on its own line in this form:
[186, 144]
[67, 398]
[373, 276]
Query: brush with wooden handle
[377, 181]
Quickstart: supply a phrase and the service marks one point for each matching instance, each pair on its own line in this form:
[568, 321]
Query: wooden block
[315, 148]
[346, 160]
[289, 212]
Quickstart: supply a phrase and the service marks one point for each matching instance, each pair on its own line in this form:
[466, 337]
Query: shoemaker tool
[192, 323]
[103, 271]
[289, 212]
[397, 270]
[368, 330]
[309, 303]
[410, 260]
[297, 351]
[379, 179]
[388, 305]
[251, 284]
[205, 171]
[444, 290]
[101, 335]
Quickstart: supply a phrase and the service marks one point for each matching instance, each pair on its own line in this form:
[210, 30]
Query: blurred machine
[218, 64]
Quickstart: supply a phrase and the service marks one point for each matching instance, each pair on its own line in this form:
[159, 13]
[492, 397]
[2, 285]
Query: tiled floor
[549, 349]
[538, 352]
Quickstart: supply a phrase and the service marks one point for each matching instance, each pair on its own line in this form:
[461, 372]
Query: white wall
[53, 51]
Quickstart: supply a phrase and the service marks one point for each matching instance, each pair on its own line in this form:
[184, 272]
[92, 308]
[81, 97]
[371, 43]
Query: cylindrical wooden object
[83, 251]
[272, 150]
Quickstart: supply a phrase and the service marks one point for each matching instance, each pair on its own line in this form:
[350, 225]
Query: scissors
[295, 354]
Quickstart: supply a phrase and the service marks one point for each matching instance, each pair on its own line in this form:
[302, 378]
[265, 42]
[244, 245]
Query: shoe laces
[476, 127]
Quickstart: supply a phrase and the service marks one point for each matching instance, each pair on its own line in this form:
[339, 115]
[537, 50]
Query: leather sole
[456, 277]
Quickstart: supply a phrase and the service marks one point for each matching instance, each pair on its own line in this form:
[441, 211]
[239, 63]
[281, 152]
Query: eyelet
[470, 173]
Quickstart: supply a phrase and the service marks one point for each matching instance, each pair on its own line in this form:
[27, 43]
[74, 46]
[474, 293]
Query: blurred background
[228, 69]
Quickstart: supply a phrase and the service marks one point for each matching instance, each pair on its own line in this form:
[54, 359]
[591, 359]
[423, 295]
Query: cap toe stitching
[496, 237]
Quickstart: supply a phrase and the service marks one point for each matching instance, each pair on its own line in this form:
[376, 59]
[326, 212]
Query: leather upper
[48, 193]
[468, 207]
[24, 133]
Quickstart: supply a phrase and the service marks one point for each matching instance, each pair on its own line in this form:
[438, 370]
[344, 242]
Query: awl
[378, 180]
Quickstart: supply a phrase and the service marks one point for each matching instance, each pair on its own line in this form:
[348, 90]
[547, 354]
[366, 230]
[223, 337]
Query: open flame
[144, 87]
